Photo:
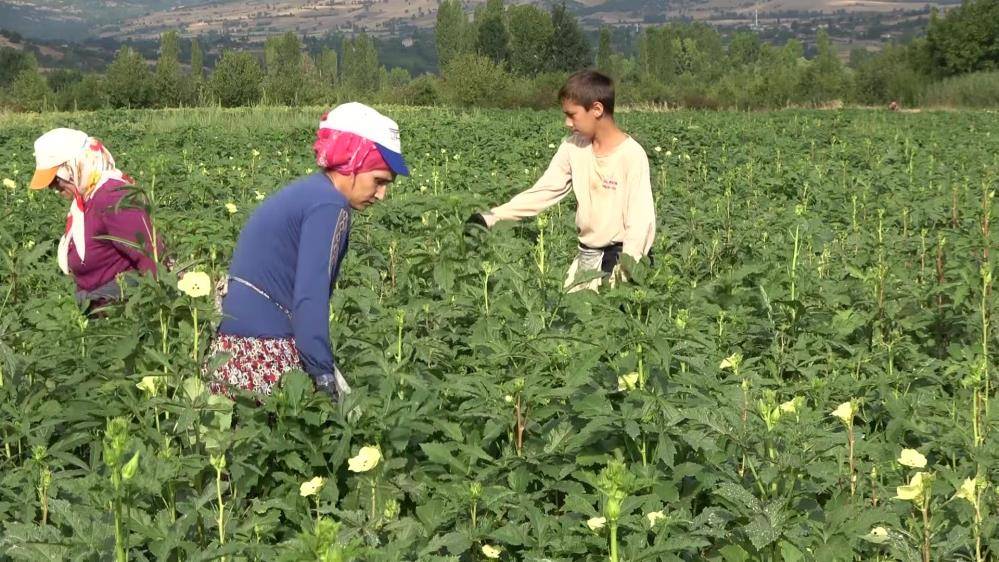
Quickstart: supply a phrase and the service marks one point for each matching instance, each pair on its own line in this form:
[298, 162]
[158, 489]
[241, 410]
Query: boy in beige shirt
[609, 173]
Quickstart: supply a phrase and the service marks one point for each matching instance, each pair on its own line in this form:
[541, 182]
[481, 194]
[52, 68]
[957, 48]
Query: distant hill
[84, 34]
[254, 19]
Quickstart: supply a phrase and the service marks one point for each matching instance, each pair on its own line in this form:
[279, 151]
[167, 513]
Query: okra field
[807, 371]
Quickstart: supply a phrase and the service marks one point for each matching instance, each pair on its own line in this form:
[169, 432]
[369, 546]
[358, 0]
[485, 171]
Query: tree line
[518, 55]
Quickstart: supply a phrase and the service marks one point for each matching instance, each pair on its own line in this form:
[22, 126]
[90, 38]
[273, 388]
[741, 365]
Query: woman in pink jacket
[104, 236]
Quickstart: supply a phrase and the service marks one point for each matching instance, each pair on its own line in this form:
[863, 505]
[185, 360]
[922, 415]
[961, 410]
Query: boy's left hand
[477, 219]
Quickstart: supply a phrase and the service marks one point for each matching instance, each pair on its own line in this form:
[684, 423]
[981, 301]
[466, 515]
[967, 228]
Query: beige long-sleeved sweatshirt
[613, 195]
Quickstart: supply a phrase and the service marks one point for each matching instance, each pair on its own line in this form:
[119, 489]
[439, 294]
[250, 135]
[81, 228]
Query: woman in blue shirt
[276, 308]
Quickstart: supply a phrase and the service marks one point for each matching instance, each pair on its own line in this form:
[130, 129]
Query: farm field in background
[806, 372]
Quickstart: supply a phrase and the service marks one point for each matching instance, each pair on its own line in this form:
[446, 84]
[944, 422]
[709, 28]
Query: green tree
[361, 71]
[89, 94]
[285, 69]
[422, 90]
[888, 75]
[452, 32]
[62, 79]
[777, 79]
[326, 67]
[826, 79]
[656, 56]
[170, 88]
[605, 52]
[13, 62]
[236, 79]
[312, 87]
[492, 39]
[744, 49]
[699, 51]
[568, 50]
[397, 78]
[474, 80]
[684, 58]
[965, 40]
[196, 80]
[31, 91]
[197, 60]
[530, 35]
[128, 79]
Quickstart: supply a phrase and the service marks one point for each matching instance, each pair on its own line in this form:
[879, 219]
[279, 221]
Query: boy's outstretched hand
[475, 227]
[478, 219]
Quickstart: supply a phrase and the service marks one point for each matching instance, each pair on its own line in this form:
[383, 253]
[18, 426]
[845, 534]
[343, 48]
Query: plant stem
[976, 432]
[978, 530]
[874, 486]
[374, 498]
[485, 292]
[986, 290]
[194, 318]
[172, 500]
[978, 546]
[613, 541]
[641, 368]
[794, 266]
[398, 344]
[853, 475]
[120, 548]
[163, 338]
[43, 499]
[221, 520]
[926, 529]
[519, 426]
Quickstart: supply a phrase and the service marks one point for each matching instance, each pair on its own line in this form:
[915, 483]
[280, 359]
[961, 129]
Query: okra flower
[491, 551]
[915, 490]
[627, 382]
[596, 523]
[844, 412]
[969, 491]
[912, 458]
[878, 535]
[195, 284]
[731, 362]
[791, 406]
[148, 385]
[366, 459]
[311, 487]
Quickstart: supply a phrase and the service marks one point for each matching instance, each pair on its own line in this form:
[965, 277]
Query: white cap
[54, 149]
[364, 121]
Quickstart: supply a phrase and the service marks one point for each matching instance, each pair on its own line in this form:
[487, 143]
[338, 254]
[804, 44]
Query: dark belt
[612, 255]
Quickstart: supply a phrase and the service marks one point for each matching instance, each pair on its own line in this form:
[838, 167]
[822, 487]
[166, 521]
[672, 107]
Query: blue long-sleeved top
[291, 249]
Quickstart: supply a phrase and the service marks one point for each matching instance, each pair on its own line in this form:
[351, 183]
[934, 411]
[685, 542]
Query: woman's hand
[332, 384]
